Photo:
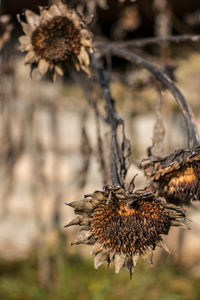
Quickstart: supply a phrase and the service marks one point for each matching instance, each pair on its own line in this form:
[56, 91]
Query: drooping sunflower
[122, 226]
[177, 176]
[56, 36]
[5, 29]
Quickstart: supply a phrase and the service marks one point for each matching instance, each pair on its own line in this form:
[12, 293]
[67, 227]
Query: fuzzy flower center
[133, 230]
[57, 40]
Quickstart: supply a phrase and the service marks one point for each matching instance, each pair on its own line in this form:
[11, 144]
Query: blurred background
[49, 153]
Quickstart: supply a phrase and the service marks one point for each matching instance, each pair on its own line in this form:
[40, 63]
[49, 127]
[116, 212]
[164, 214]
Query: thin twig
[193, 136]
[151, 40]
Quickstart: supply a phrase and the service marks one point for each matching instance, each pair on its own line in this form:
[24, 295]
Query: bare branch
[152, 40]
[193, 136]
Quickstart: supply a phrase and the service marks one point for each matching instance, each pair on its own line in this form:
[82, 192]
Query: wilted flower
[122, 225]
[57, 36]
[5, 29]
[177, 176]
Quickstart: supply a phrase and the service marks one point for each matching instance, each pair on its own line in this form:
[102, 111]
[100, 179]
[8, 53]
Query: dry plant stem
[152, 40]
[100, 150]
[193, 137]
[114, 121]
[116, 162]
[120, 152]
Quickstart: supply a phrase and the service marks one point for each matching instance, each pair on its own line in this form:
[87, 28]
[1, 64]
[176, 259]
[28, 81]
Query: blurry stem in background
[100, 150]
[157, 148]
[162, 26]
[85, 151]
[192, 132]
[57, 191]
[90, 92]
[12, 148]
[38, 187]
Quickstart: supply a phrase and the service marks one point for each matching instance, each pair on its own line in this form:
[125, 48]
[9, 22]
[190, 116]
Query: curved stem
[193, 136]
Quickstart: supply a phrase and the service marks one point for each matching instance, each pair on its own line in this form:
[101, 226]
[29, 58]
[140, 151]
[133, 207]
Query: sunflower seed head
[58, 36]
[123, 226]
[177, 176]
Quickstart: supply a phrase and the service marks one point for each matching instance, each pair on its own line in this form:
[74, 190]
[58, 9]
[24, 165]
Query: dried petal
[163, 245]
[76, 221]
[84, 205]
[129, 265]
[119, 262]
[43, 66]
[30, 57]
[100, 258]
[32, 19]
[58, 70]
[84, 238]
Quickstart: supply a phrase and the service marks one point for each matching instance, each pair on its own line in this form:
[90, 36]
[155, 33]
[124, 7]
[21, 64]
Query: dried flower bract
[177, 176]
[55, 37]
[123, 226]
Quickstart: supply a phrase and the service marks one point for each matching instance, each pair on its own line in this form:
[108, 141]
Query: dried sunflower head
[5, 29]
[177, 176]
[122, 226]
[55, 37]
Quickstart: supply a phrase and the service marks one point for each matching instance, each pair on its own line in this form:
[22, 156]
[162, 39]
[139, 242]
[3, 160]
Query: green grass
[74, 278]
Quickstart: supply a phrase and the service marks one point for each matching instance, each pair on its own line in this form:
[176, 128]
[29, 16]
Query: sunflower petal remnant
[54, 38]
[177, 176]
[122, 226]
